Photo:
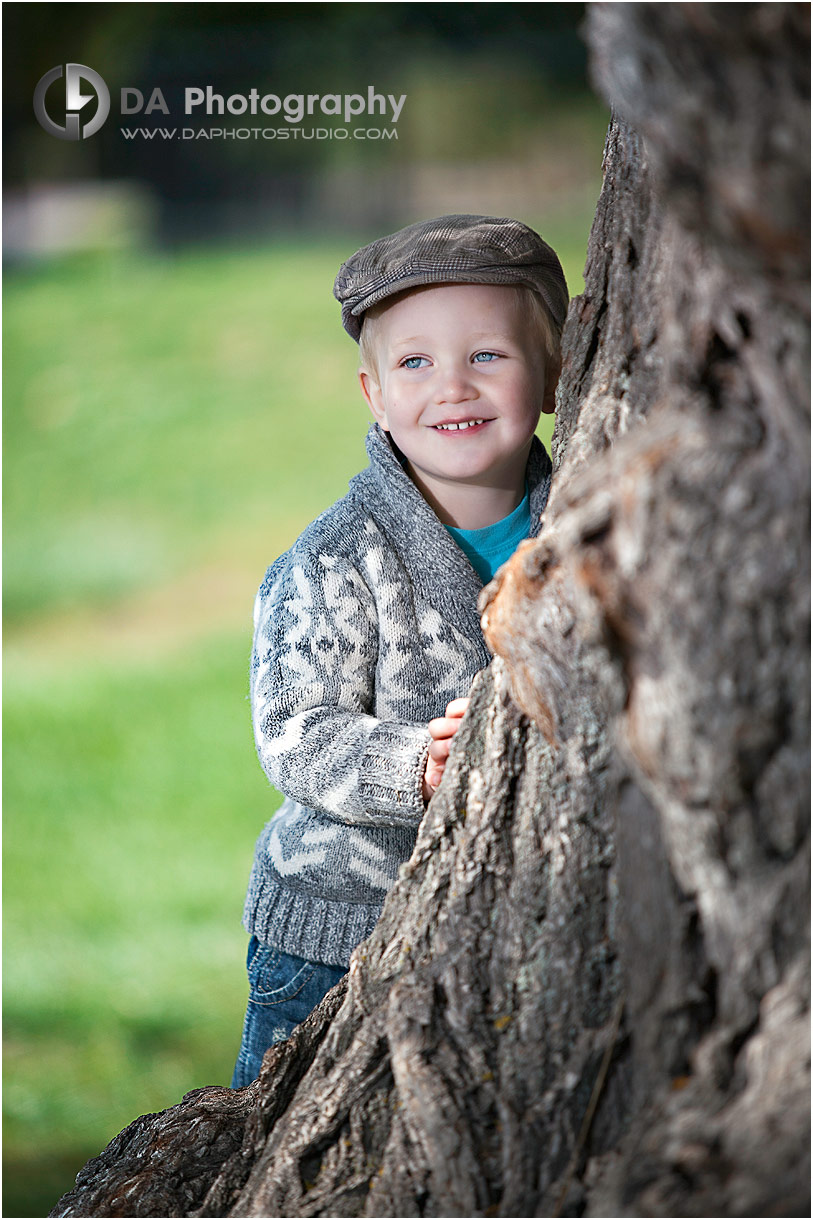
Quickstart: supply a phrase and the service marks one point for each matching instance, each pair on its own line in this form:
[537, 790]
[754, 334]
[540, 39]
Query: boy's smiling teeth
[467, 423]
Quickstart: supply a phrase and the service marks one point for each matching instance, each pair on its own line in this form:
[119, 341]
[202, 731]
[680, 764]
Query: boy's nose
[455, 386]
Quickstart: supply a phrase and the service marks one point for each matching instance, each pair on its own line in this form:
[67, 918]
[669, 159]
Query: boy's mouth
[460, 426]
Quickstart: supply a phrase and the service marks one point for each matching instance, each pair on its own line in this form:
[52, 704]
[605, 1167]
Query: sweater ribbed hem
[307, 926]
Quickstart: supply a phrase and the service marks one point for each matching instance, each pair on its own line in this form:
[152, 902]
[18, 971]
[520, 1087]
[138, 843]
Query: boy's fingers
[439, 750]
[444, 726]
[447, 726]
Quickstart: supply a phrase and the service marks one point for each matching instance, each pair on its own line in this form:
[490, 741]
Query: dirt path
[215, 598]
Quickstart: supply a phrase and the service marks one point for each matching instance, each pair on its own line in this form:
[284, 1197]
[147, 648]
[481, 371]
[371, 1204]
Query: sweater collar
[437, 566]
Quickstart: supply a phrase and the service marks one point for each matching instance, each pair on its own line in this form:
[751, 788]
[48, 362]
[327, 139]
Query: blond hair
[550, 333]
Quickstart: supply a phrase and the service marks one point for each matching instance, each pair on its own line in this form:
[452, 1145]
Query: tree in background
[588, 991]
[483, 85]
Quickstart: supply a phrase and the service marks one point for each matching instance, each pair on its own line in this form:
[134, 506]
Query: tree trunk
[588, 990]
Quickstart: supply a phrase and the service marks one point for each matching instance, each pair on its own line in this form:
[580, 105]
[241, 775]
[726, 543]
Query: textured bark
[588, 991]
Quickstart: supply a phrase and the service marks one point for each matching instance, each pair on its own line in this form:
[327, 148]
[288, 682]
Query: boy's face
[460, 383]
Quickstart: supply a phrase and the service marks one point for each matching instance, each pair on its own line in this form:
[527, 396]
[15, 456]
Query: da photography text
[57, 109]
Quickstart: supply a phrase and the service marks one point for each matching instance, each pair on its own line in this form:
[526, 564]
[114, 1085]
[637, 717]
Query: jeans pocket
[274, 976]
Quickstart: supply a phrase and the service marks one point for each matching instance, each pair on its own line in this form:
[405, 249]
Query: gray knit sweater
[363, 632]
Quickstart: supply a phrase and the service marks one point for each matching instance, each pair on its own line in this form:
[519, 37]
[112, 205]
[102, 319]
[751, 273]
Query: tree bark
[588, 990]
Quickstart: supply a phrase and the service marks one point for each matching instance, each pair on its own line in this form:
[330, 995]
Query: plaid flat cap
[450, 250]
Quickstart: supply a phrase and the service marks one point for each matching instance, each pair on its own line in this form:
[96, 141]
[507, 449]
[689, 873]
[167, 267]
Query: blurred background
[180, 401]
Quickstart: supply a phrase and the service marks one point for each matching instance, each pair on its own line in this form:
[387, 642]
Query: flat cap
[450, 250]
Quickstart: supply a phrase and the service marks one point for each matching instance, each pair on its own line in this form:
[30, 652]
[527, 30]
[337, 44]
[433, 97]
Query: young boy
[367, 635]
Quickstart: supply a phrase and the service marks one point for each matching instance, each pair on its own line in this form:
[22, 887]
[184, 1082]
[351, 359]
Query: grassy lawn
[170, 425]
[131, 798]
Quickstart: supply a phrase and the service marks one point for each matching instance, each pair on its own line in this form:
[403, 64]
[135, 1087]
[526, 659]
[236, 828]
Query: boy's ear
[552, 375]
[373, 397]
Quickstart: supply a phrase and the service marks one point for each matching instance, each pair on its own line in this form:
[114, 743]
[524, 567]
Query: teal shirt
[488, 548]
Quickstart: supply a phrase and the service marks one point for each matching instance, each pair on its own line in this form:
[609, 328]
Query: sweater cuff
[392, 770]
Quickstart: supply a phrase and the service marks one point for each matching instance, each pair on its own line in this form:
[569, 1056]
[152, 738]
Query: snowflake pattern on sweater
[363, 631]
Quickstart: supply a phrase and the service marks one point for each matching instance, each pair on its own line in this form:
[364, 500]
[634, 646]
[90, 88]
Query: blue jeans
[283, 990]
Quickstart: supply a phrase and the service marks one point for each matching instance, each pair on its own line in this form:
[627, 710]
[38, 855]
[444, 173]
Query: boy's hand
[441, 730]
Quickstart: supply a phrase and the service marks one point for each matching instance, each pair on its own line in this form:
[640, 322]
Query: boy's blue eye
[486, 357]
[414, 362]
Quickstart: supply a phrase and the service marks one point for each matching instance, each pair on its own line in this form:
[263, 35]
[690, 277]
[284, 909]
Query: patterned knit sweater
[363, 632]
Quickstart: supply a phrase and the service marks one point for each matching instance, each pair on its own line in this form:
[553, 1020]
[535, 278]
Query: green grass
[170, 424]
[170, 394]
[132, 798]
